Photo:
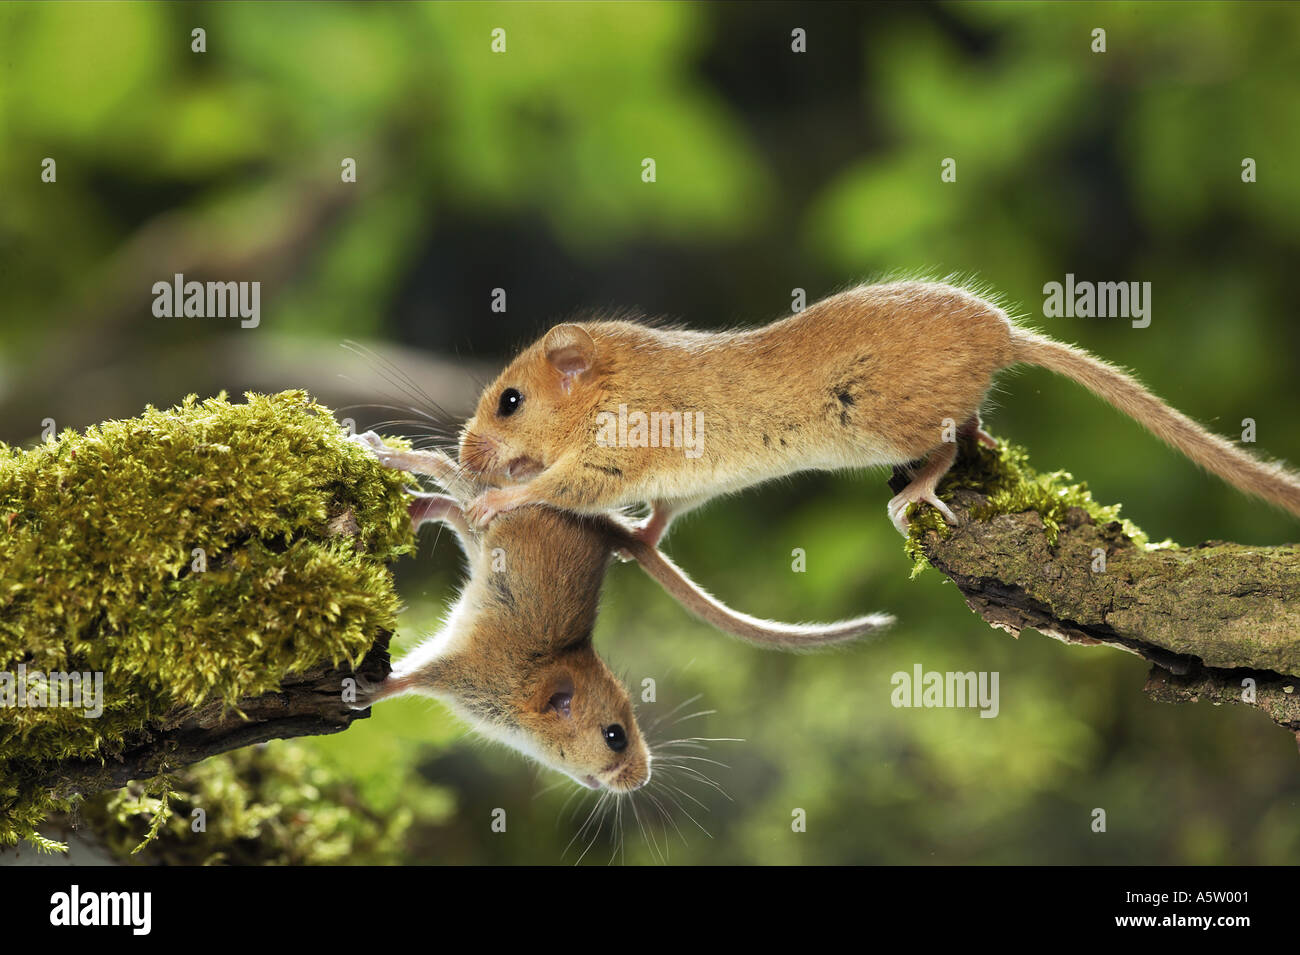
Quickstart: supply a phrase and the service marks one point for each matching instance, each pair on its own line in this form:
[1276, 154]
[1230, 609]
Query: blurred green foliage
[775, 170]
[271, 804]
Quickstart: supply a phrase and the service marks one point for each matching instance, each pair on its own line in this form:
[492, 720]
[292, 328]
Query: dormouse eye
[510, 401]
[615, 738]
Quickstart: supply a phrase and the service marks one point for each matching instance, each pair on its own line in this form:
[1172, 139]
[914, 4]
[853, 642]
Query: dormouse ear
[570, 350]
[557, 694]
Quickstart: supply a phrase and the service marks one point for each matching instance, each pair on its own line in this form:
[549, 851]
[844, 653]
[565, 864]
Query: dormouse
[878, 376]
[514, 656]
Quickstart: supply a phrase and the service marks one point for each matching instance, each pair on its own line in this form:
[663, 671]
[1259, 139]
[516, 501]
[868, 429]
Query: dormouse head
[516, 658]
[564, 709]
[513, 434]
[579, 721]
[532, 636]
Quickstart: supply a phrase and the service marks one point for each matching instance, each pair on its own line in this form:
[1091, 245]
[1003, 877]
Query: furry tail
[767, 633]
[1269, 481]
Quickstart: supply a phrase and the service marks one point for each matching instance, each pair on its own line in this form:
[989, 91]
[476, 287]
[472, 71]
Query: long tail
[767, 633]
[1267, 480]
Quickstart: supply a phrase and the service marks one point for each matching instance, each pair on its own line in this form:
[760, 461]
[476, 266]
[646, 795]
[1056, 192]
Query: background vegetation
[776, 170]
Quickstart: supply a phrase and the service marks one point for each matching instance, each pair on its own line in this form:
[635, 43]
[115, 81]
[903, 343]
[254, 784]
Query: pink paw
[489, 504]
[649, 533]
[900, 502]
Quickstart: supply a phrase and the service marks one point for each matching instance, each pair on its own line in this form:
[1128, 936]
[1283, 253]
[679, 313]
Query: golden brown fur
[875, 376]
[1266, 480]
[870, 402]
[521, 632]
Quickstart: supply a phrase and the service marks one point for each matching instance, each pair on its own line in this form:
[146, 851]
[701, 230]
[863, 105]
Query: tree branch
[307, 704]
[1207, 617]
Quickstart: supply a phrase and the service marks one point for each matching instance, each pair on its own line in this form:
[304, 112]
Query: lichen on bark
[1218, 621]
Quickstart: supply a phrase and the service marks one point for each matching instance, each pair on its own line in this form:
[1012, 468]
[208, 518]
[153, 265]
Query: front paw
[361, 693]
[899, 504]
[650, 532]
[489, 504]
[375, 445]
[371, 442]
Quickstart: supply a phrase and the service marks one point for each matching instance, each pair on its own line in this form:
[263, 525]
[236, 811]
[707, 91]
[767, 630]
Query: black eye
[510, 401]
[615, 738]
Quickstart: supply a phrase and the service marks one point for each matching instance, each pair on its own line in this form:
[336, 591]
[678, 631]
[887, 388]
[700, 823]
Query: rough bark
[307, 704]
[1208, 617]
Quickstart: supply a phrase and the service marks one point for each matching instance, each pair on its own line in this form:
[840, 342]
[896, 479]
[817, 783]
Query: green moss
[264, 805]
[1009, 485]
[98, 570]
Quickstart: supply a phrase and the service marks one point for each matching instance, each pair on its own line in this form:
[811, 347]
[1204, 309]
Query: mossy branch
[307, 704]
[217, 568]
[1219, 622]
